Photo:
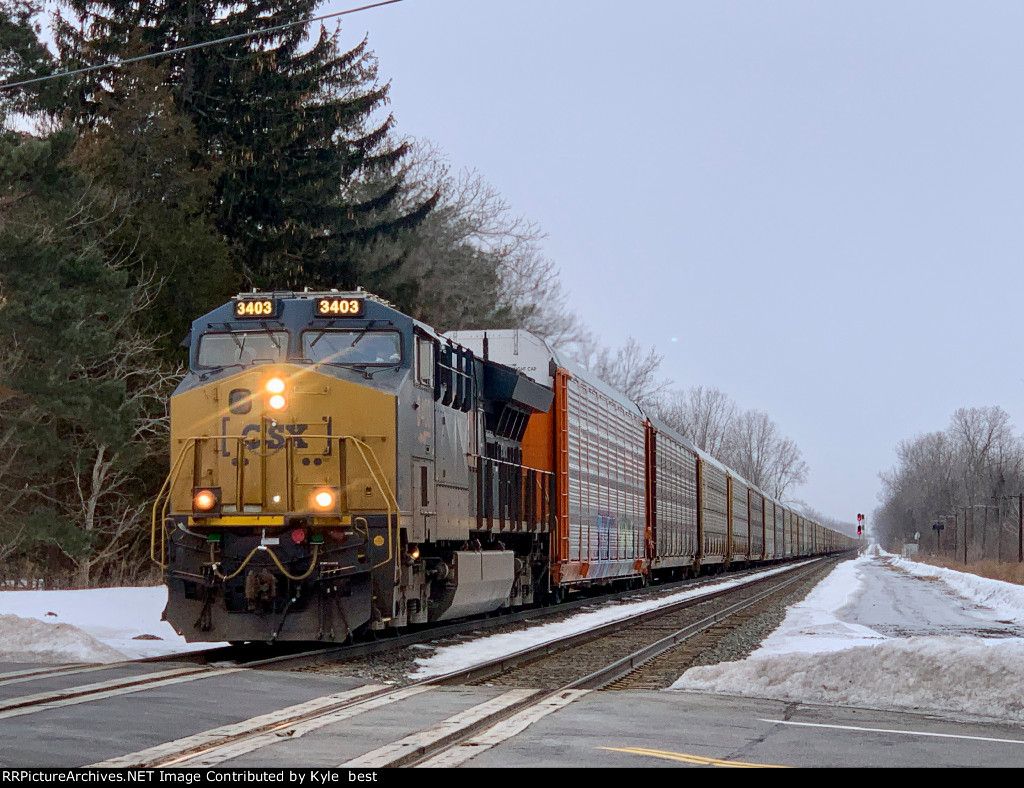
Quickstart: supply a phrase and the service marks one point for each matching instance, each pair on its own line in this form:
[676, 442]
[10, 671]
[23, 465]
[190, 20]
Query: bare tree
[630, 369]
[988, 451]
[788, 469]
[760, 454]
[704, 416]
[532, 291]
[969, 466]
[106, 504]
[487, 258]
[747, 441]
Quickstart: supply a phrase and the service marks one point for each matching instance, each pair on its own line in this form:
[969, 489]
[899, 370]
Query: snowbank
[93, 625]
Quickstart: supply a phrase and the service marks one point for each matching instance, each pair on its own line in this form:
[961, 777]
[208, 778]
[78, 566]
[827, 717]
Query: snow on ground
[31, 640]
[95, 625]
[814, 656]
[465, 655]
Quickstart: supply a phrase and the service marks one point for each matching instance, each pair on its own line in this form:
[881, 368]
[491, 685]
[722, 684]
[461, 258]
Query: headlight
[206, 500]
[324, 499]
[276, 388]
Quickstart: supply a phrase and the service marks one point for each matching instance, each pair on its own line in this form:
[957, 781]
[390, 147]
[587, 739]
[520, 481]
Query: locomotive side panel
[454, 443]
[416, 460]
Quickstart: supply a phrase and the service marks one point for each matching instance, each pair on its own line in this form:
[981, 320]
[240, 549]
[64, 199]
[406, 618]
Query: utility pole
[947, 518]
[1019, 499]
[965, 536]
[967, 529]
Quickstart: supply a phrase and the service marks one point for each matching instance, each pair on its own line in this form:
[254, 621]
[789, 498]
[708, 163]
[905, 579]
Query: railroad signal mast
[860, 525]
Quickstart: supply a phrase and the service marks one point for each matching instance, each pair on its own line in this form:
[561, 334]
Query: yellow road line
[696, 759]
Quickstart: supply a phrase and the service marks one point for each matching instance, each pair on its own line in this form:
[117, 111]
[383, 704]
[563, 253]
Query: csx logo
[253, 437]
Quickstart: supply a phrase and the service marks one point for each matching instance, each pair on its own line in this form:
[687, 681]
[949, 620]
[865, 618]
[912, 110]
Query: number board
[338, 307]
[247, 308]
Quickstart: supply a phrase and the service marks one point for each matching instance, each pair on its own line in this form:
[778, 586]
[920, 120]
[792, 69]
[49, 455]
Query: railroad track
[83, 682]
[522, 687]
[634, 653]
[131, 676]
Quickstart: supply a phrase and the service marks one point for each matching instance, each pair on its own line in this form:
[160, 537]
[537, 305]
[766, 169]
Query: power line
[238, 37]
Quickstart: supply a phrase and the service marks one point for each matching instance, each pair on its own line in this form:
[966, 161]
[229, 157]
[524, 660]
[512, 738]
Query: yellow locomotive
[338, 465]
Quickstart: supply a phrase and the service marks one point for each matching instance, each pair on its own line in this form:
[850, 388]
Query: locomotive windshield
[362, 347]
[241, 348]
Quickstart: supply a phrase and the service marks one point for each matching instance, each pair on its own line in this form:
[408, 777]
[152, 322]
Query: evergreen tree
[146, 153]
[23, 57]
[308, 172]
[80, 384]
[104, 251]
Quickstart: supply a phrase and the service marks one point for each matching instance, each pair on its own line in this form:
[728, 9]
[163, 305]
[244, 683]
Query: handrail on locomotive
[162, 502]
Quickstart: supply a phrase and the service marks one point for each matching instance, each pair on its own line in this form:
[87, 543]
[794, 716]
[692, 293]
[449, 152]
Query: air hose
[273, 557]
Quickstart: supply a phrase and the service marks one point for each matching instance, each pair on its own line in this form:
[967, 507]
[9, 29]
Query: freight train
[339, 467]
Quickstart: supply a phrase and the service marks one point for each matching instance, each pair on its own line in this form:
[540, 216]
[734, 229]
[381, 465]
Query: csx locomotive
[337, 466]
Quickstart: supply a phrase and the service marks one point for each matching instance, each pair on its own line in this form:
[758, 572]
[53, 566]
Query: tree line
[133, 199]
[967, 477]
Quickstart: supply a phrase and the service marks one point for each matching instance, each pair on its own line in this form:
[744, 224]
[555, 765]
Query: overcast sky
[820, 201]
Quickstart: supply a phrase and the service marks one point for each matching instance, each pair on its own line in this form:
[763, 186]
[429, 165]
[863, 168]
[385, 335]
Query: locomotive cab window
[351, 347]
[241, 348]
